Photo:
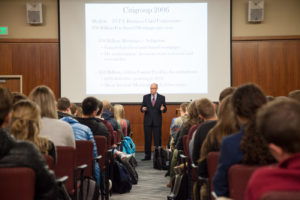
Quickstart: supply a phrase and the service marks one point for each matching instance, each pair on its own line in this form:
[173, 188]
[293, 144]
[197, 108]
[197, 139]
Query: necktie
[153, 101]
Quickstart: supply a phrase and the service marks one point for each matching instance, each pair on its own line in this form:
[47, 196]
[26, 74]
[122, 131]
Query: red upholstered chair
[115, 135]
[238, 177]
[66, 166]
[281, 195]
[50, 161]
[85, 155]
[212, 163]
[17, 183]
[101, 142]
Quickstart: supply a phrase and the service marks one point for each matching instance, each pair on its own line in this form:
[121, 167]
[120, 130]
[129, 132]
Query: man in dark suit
[153, 105]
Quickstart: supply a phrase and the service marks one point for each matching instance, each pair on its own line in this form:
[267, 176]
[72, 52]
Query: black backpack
[121, 182]
[131, 169]
[160, 158]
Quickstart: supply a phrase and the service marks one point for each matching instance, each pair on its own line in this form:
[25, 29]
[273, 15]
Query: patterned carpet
[152, 183]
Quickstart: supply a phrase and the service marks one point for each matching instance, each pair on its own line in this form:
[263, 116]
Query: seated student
[90, 107]
[63, 107]
[59, 132]
[81, 132]
[246, 100]
[295, 94]
[279, 124]
[120, 117]
[208, 114]
[26, 153]
[25, 125]
[108, 114]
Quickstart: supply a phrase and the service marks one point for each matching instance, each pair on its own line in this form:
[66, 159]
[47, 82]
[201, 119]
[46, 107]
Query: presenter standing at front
[153, 105]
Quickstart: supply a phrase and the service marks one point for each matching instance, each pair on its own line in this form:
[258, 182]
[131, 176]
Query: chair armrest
[97, 158]
[62, 180]
[194, 166]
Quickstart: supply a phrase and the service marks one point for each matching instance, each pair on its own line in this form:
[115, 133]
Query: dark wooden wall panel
[36, 60]
[272, 64]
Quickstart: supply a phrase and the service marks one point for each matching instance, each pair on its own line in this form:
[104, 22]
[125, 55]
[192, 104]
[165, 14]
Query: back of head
[205, 108]
[17, 96]
[25, 120]
[100, 108]
[119, 112]
[279, 123]
[247, 99]
[193, 115]
[90, 105]
[45, 99]
[63, 104]
[227, 91]
[107, 106]
[5, 104]
[295, 94]
[184, 107]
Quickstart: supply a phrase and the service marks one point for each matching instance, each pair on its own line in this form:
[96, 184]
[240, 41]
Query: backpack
[121, 178]
[160, 158]
[90, 189]
[128, 145]
[131, 169]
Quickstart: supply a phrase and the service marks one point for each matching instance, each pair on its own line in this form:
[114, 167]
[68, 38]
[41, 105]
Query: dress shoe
[144, 159]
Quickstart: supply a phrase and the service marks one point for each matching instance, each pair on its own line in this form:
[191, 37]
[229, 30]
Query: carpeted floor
[152, 183]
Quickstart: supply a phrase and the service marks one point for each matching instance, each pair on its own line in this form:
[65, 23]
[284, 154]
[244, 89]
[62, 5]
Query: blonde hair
[119, 112]
[25, 124]
[44, 97]
[107, 105]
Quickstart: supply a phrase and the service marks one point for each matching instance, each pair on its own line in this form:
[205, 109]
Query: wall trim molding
[28, 40]
[258, 38]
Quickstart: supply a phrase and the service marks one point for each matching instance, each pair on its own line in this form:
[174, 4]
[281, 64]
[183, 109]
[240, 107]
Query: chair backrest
[84, 155]
[212, 163]
[17, 183]
[238, 177]
[50, 161]
[115, 135]
[280, 195]
[119, 136]
[101, 142]
[66, 162]
[185, 146]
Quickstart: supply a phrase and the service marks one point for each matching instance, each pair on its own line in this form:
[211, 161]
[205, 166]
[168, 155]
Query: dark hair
[205, 108]
[246, 101]
[89, 105]
[227, 91]
[279, 123]
[100, 108]
[73, 108]
[63, 104]
[5, 103]
[17, 96]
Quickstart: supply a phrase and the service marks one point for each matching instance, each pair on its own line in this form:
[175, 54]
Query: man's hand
[162, 107]
[144, 108]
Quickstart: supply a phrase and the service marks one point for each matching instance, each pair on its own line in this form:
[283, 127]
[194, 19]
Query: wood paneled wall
[36, 59]
[271, 62]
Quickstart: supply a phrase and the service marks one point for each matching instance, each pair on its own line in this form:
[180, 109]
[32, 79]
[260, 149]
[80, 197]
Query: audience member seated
[295, 94]
[108, 114]
[17, 96]
[63, 107]
[106, 123]
[59, 132]
[278, 122]
[120, 117]
[24, 154]
[208, 114]
[246, 100]
[90, 107]
[25, 126]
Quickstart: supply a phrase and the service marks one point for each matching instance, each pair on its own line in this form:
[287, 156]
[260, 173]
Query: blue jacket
[230, 154]
[82, 132]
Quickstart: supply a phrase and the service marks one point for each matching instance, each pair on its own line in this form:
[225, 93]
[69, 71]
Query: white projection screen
[114, 50]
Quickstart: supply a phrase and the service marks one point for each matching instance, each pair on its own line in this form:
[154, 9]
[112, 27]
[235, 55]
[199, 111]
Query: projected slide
[129, 46]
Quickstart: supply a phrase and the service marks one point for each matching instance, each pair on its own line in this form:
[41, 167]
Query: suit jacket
[153, 113]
